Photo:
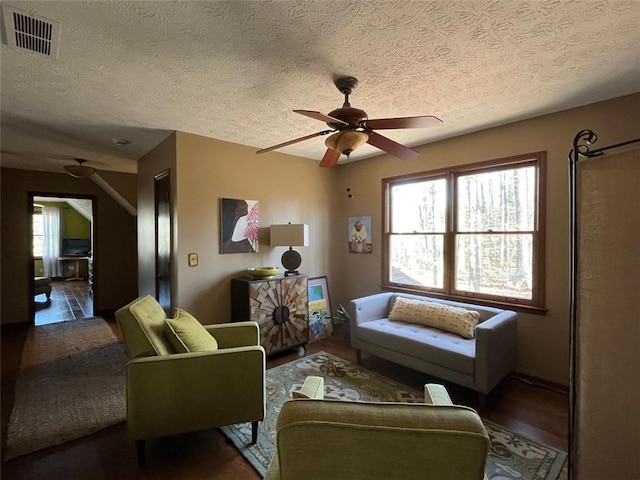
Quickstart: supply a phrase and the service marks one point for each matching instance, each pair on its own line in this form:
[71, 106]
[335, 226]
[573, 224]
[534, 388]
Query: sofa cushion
[186, 334]
[444, 317]
[444, 349]
[142, 324]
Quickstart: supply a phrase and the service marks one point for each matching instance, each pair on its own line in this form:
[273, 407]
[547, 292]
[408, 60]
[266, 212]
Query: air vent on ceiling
[30, 32]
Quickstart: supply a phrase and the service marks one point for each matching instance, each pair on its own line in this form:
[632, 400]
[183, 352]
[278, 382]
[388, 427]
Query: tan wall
[114, 249]
[543, 341]
[204, 170]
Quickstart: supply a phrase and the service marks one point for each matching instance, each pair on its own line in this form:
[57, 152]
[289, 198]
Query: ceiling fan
[351, 128]
[80, 170]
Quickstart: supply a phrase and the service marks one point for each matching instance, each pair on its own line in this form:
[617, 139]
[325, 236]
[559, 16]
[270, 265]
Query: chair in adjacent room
[324, 439]
[183, 376]
[42, 285]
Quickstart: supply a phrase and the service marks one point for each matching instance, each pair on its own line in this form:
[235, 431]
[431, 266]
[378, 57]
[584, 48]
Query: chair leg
[140, 451]
[254, 432]
[358, 356]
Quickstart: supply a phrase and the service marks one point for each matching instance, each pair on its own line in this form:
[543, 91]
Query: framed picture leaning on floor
[320, 313]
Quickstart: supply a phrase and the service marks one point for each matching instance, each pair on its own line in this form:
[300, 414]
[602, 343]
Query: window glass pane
[417, 260]
[498, 201]
[494, 264]
[419, 206]
[38, 235]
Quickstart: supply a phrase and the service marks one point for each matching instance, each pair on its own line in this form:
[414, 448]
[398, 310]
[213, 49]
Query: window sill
[517, 307]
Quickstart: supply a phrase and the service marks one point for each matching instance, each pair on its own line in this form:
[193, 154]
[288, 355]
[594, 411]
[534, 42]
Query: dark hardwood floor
[536, 412]
[69, 301]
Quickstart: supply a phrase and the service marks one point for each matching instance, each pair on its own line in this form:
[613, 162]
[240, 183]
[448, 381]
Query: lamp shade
[290, 235]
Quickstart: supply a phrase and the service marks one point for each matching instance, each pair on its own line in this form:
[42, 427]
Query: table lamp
[290, 235]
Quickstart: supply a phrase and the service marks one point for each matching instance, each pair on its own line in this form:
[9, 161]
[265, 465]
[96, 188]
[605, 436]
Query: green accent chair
[324, 439]
[42, 285]
[170, 393]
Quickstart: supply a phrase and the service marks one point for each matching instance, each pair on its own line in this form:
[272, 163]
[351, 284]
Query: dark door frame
[31, 311]
[163, 276]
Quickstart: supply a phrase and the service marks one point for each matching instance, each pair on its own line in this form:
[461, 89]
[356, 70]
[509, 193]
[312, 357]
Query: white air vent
[29, 32]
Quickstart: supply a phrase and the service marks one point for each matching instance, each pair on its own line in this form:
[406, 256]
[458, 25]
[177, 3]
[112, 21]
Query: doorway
[62, 280]
[163, 240]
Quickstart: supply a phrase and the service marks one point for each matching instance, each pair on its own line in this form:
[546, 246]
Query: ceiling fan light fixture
[346, 141]
[80, 170]
[354, 128]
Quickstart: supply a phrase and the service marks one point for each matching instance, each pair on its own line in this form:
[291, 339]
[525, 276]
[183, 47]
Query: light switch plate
[193, 259]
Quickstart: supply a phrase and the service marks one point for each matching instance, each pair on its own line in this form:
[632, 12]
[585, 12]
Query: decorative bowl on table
[263, 272]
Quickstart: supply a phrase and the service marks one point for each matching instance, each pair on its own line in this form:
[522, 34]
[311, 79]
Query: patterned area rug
[71, 383]
[512, 456]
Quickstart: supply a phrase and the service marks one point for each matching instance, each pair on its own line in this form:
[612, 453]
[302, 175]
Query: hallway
[69, 301]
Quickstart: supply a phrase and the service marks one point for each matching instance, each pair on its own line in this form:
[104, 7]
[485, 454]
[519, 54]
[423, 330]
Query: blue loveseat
[478, 363]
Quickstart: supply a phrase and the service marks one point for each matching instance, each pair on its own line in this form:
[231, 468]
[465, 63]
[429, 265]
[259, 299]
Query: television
[76, 247]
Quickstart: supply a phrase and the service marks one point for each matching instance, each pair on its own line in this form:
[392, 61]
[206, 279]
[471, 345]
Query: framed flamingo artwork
[239, 225]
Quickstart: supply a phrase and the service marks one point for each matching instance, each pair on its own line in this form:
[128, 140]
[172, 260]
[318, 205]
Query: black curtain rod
[589, 138]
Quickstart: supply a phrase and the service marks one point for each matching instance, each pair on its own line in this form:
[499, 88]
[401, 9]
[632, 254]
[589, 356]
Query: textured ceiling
[235, 70]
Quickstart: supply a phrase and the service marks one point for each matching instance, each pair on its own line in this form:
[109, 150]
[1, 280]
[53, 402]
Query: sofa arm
[372, 307]
[235, 334]
[496, 347]
[313, 387]
[436, 394]
[185, 392]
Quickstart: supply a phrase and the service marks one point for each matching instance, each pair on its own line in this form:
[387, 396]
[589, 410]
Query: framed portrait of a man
[360, 240]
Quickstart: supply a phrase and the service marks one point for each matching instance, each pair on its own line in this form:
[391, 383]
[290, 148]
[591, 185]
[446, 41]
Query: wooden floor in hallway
[69, 301]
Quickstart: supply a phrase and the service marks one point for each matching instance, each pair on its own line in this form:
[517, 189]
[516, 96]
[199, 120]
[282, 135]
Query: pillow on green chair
[186, 334]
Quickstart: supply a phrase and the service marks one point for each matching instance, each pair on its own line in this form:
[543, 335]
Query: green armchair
[332, 439]
[170, 393]
[42, 285]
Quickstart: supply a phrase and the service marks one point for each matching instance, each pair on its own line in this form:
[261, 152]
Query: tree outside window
[470, 232]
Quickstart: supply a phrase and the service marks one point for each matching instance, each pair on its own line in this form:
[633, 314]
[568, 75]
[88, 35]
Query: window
[473, 232]
[38, 234]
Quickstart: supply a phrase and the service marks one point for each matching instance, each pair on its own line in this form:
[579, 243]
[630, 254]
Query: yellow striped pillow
[437, 315]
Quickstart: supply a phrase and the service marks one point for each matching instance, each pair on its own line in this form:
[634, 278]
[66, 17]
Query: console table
[278, 304]
[77, 272]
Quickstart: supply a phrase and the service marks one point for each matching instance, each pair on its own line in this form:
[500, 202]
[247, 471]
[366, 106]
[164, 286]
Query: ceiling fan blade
[330, 158]
[391, 146]
[291, 142]
[403, 122]
[320, 116]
